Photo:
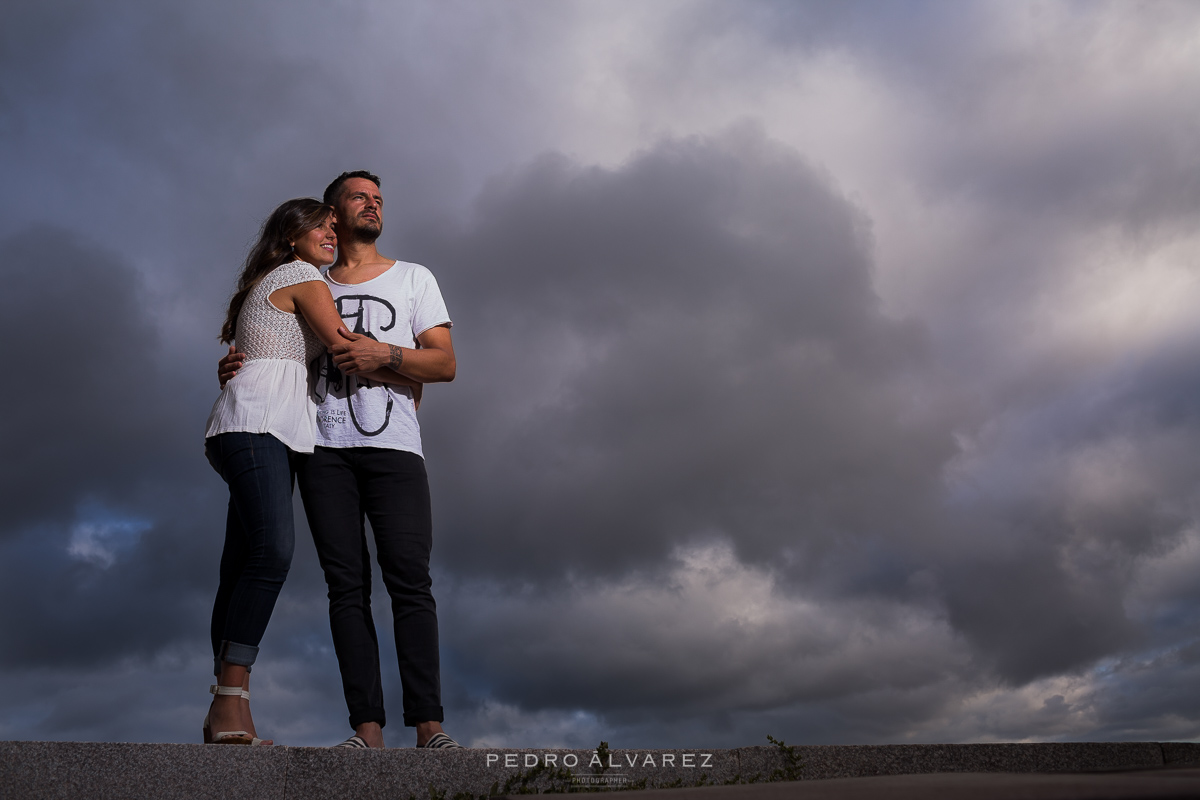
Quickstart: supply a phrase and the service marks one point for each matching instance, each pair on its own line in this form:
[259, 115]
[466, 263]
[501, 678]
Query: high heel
[228, 737]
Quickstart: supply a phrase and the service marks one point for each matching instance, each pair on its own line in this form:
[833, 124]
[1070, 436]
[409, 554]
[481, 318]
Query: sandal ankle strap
[229, 690]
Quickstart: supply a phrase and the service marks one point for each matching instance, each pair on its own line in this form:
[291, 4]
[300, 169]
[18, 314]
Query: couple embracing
[323, 386]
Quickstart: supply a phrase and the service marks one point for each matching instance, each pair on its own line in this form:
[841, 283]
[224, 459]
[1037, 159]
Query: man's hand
[360, 353]
[228, 366]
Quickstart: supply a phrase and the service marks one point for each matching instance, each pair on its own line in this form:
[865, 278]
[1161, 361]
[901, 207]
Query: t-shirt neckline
[364, 283]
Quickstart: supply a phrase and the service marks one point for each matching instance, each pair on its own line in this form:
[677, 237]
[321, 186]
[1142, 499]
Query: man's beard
[366, 232]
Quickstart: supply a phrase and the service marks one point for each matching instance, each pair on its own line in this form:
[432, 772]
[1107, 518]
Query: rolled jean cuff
[368, 715]
[242, 655]
[418, 715]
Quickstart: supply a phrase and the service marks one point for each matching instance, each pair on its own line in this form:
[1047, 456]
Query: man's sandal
[354, 742]
[229, 737]
[440, 741]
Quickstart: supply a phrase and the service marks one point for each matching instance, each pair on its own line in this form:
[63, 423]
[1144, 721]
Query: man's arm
[385, 375]
[229, 365]
[433, 362]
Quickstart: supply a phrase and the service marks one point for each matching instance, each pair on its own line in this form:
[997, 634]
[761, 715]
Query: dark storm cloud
[742, 352]
[696, 356]
[80, 422]
[1110, 479]
[685, 347]
[98, 482]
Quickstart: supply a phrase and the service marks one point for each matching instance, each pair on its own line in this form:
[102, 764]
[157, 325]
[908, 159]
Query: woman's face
[318, 245]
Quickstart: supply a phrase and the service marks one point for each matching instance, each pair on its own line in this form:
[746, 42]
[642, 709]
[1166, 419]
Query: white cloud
[708, 633]
[99, 542]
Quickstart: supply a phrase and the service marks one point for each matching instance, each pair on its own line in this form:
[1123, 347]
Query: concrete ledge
[108, 770]
[1153, 784]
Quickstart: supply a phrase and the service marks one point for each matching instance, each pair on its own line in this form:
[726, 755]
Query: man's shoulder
[411, 270]
[412, 280]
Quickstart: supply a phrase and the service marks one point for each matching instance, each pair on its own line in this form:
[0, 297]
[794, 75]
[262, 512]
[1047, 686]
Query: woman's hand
[359, 353]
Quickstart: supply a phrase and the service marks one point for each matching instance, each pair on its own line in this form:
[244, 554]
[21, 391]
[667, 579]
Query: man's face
[359, 210]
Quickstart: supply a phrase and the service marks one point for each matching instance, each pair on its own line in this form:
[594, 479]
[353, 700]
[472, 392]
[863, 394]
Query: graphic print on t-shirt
[326, 378]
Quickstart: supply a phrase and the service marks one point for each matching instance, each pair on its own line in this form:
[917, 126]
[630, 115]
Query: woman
[282, 316]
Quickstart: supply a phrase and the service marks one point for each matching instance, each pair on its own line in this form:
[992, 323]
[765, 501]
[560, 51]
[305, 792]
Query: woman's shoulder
[300, 266]
[291, 273]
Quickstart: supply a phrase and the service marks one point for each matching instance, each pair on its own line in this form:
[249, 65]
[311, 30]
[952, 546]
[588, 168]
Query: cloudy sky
[828, 371]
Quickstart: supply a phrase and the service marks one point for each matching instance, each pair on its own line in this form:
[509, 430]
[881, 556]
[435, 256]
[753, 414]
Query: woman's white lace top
[270, 393]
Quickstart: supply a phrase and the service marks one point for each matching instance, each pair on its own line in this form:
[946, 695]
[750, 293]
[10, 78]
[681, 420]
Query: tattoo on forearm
[395, 356]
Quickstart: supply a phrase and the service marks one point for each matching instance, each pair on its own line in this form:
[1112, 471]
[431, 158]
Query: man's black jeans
[339, 487]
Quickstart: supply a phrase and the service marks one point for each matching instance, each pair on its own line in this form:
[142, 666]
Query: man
[368, 461]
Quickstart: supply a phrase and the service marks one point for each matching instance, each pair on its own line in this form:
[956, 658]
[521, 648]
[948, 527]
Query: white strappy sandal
[229, 737]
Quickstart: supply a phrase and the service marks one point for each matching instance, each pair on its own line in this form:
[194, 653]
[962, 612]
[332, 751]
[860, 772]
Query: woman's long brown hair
[287, 223]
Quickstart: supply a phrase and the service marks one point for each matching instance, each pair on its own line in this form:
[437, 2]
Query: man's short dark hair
[334, 189]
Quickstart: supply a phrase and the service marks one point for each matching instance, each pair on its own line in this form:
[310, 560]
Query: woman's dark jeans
[259, 540]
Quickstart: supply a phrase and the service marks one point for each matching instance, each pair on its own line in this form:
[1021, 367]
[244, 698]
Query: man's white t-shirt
[394, 307]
